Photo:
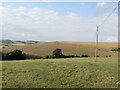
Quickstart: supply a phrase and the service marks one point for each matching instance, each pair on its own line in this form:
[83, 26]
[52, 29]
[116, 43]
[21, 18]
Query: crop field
[61, 73]
[68, 48]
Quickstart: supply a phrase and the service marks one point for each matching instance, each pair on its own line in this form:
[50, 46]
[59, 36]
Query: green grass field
[61, 73]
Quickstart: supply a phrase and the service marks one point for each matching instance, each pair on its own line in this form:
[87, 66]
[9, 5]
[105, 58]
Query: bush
[47, 57]
[84, 55]
[108, 56]
[0, 56]
[57, 53]
[14, 55]
[97, 56]
[115, 49]
[70, 56]
[3, 47]
[33, 56]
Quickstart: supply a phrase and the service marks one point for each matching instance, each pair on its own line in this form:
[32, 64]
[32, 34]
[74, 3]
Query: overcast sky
[58, 21]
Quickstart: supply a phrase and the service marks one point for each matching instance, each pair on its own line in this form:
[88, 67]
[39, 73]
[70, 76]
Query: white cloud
[106, 5]
[102, 5]
[26, 35]
[112, 39]
[43, 24]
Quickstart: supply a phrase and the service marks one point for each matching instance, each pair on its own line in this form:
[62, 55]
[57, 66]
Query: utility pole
[90, 51]
[96, 49]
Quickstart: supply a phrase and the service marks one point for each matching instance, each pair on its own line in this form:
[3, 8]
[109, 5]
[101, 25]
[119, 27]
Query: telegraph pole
[90, 53]
[96, 49]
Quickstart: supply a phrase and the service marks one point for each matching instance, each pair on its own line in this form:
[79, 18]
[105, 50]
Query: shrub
[14, 55]
[3, 47]
[108, 56]
[47, 57]
[84, 55]
[32, 56]
[0, 56]
[57, 53]
[115, 49]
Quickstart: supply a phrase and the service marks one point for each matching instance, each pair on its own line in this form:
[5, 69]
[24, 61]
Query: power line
[108, 16]
[97, 34]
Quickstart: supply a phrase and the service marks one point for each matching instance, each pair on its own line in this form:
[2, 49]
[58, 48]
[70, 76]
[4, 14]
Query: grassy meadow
[65, 72]
[61, 73]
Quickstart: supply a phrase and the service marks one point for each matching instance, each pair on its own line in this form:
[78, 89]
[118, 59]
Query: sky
[58, 21]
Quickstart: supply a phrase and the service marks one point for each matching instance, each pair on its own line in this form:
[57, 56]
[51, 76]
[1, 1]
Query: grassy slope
[72, 72]
[69, 48]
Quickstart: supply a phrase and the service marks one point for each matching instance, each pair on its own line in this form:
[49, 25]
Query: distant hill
[68, 48]
[6, 41]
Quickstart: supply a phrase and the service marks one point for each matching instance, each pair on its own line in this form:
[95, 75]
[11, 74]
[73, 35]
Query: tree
[14, 55]
[57, 53]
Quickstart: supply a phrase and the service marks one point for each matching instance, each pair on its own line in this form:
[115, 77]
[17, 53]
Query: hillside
[61, 73]
[14, 42]
[68, 48]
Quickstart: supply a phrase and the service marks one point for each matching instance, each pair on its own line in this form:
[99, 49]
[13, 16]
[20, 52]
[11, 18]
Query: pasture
[61, 73]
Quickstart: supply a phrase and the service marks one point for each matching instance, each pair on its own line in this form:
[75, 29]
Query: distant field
[61, 73]
[68, 48]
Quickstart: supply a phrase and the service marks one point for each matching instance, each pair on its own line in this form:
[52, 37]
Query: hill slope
[68, 48]
[61, 73]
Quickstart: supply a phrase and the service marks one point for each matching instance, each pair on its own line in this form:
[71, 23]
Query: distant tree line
[116, 49]
[19, 55]
[57, 53]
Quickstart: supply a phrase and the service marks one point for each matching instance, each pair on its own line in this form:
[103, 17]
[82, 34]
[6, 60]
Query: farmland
[61, 73]
[64, 44]
[68, 48]
[65, 72]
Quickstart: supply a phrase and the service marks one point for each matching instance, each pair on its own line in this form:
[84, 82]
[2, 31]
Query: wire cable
[108, 16]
